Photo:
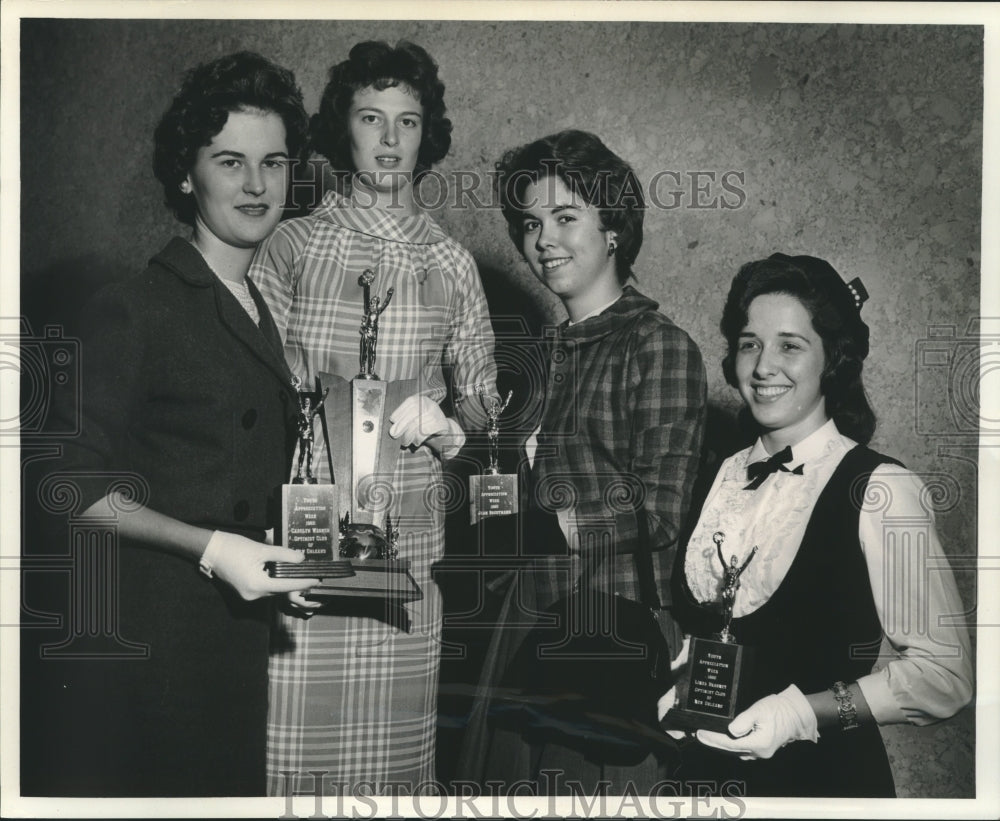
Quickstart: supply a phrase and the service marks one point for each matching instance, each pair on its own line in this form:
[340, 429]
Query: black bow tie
[759, 471]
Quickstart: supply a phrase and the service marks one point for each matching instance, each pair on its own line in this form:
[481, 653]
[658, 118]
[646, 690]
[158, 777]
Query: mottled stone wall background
[860, 144]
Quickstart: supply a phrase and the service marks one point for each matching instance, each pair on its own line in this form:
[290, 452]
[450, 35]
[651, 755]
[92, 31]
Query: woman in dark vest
[828, 534]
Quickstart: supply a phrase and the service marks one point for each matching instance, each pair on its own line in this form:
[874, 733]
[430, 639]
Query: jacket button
[249, 418]
[241, 510]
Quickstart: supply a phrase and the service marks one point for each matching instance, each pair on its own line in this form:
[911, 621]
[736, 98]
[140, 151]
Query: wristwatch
[846, 710]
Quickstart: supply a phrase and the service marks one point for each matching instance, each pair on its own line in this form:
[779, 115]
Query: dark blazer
[181, 389]
[179, 386]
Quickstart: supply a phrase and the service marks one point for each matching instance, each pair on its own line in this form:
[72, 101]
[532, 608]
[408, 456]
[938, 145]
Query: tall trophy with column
[363, 456]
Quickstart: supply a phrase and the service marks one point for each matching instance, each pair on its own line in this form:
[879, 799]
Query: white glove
[666, 701]
[767, 725]
[669, 698]
[418, 419]
[240, 561]
[301, 606]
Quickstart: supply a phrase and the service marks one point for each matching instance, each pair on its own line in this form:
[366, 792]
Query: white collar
[809, 449]
[595, 312]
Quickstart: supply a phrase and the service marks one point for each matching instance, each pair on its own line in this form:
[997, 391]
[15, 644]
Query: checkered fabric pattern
[350, 695]
[622, 424]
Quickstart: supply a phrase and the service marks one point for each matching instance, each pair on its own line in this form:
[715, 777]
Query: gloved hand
[418, 420]
[665, 702]
[300, 606]
[240, 561]
[767, 725]
[669, 698]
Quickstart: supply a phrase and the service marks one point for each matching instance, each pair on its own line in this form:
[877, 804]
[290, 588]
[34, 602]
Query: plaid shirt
[622, 425]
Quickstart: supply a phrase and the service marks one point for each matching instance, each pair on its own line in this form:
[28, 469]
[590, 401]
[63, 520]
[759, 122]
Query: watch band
[846, 710]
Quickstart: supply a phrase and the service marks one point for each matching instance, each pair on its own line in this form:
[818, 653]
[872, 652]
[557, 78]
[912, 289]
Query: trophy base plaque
[310, 570]
[492, 495]
[709, 697]
[371, 578]
[309, 520]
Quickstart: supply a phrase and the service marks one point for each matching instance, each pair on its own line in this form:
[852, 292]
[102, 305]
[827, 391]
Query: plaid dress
[351, 695]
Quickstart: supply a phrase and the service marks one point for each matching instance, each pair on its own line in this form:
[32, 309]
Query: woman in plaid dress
[622, 422]
[353, 696]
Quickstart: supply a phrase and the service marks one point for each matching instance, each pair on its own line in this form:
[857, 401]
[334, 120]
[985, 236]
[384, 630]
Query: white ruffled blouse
[925, 672]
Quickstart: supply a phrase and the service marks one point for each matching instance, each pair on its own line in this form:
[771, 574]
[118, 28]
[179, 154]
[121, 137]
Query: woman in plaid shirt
[622, 420]
[352, 696]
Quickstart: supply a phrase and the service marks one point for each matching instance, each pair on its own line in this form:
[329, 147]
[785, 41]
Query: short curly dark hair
[208, 94]
[835, 317]
[376, 64]
[588, 168]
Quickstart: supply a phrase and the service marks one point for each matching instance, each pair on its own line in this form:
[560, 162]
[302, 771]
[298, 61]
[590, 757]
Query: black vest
[819, 626]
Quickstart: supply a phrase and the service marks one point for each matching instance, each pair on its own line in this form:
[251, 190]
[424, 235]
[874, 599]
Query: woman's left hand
[418, 420]
[300, 605]
[766, 726]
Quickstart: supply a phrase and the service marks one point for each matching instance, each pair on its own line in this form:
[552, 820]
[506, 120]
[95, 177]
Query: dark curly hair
[208, 94]
[589, 169]
[835, 317]
[376, 64]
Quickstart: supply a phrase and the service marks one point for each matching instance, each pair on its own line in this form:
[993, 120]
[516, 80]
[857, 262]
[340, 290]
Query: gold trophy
[708, 696]
[493, 493]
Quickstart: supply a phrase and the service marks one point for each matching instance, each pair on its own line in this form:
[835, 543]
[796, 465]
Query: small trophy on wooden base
[492, 493]
[708, 697]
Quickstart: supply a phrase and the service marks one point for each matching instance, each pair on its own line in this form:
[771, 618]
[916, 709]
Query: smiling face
[239, 181]
[566, 247]
[779, 364]
[386, 128]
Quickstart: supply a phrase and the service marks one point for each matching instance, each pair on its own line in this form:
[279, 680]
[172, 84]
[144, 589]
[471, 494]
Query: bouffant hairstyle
[376, 64]
[834, 307]
[208, 94]
[590, 170]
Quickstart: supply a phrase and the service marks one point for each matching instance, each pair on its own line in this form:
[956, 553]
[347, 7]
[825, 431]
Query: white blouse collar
[809, 449]
[595, 312]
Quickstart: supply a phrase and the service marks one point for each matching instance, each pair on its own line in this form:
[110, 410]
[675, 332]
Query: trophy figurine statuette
[493, 493]
[309, 509]
[708, 697]
[368, 427]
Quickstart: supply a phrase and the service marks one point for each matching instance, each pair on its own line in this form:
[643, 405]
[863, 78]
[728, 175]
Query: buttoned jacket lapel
[264, 342]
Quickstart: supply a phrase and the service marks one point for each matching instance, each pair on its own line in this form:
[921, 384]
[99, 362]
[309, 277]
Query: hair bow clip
[858, 291]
